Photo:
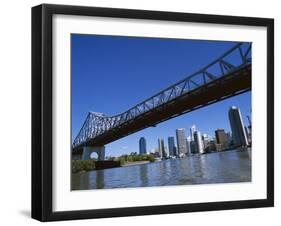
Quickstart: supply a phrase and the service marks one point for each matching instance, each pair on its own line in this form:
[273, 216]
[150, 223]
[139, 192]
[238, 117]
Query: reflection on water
[224, 167]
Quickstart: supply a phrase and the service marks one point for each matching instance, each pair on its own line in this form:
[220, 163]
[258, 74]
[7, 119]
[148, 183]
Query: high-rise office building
[161, 148]
[198, 142]
[188, 145]
[221, 138]
[192, 147]
[166, 151]
[142, 146]
[229, 138]
[172, 146]
[181, 142]
[247, 133]
[208, 142]
[192, 130]
[237, 127]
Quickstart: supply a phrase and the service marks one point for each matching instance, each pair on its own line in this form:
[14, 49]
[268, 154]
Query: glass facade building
[161, 148]
[172, 146]
[198, 142]
[237, 127]
[181, 141]
[142, 146]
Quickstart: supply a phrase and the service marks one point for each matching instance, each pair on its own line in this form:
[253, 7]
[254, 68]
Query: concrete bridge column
[101, 154]
[88, 150]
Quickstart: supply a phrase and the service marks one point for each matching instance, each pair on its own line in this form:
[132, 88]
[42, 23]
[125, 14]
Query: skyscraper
[208, 142]
[192, 130]
[221, 138]
[237, 127]
[142, 145]
[161, 148]
[188, 145]
[182, 149]
[229, 138]
[192, 147]
[247, 133]
[198, 142]
[172, 147]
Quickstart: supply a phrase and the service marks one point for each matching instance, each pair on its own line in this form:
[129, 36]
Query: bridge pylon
[88, 150]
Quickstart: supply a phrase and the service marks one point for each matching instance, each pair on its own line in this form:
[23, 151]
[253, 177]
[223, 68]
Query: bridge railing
[97, 123]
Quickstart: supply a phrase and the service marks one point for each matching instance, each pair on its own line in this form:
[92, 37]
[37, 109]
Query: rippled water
[224, 167]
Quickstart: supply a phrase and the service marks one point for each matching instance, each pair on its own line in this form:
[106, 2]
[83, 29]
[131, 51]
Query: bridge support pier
[88, 150]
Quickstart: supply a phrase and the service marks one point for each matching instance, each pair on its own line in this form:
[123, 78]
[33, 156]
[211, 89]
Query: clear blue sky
[110, 74]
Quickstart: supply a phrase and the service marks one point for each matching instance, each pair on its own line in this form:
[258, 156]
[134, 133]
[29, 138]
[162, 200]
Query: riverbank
[79, 166]
[82, 165]
[89, 165]
[135, 163]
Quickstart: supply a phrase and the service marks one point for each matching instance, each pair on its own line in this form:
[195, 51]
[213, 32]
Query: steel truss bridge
[227, 76]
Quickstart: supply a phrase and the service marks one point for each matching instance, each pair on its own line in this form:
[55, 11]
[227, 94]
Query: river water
[222, 167]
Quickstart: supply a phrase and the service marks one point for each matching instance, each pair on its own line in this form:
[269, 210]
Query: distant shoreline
[135, 163]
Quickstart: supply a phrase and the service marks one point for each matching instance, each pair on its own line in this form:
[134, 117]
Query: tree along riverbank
[124, 160]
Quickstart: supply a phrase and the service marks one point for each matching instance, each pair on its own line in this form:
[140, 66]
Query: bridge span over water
[227, 76]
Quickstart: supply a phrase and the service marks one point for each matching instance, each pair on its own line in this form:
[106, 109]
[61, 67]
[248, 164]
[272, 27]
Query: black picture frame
[42, 111]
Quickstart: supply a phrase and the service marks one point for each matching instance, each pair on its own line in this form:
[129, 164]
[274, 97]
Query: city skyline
[197, 142]
[138, 70]
[187, 137]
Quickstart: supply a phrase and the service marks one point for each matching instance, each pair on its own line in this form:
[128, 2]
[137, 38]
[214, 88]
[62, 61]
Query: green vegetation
[82, 165]
[87, 165]
[133, 157]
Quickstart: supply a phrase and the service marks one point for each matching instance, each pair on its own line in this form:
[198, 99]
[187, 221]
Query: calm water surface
[224, 167]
